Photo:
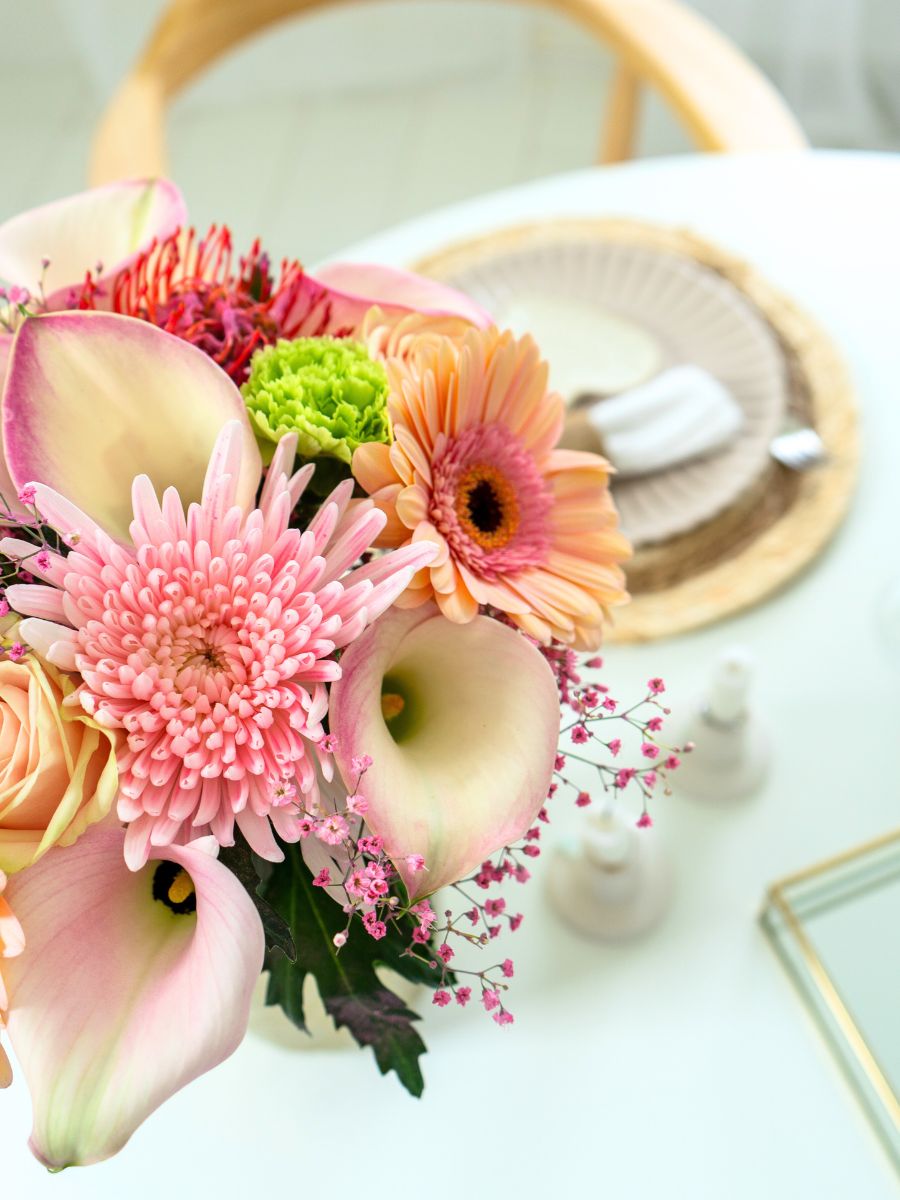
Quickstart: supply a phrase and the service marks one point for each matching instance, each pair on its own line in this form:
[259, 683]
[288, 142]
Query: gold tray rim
[777, 900]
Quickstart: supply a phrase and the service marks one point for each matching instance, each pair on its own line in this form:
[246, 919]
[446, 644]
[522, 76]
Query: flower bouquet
[294, 581]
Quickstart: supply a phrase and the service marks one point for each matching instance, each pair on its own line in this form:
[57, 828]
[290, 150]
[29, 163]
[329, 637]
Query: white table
[685, 1065]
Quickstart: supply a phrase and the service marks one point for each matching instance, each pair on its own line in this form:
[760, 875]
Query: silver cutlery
[799, 448]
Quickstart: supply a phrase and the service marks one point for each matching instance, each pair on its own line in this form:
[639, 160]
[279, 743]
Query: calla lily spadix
[130, 985]
[461, 723]
[93, 400]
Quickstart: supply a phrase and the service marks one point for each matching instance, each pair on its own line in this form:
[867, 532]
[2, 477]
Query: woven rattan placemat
[780, 524]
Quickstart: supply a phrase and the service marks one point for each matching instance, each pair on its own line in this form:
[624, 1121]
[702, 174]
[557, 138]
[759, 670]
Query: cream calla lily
[461, 722]
[12, 943]
[130, 985]
[92, 400]
[106, 227]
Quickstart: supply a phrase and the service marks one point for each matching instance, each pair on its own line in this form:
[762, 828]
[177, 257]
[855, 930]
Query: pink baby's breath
[332, 830]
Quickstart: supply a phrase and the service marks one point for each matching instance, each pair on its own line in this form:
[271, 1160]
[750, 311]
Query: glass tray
[835, 927]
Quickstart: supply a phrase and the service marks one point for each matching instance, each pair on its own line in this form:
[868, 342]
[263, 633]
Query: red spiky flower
[191, 287]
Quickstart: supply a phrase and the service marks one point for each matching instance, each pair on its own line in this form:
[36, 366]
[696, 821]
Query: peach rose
[57, 766]
[12, 943]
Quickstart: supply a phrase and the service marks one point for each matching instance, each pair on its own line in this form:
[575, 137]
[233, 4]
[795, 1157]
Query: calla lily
[107, 226]
[353, 288]
[12, 943]
[461, 722]
[8, 500]
[130, 986]
[92, 400]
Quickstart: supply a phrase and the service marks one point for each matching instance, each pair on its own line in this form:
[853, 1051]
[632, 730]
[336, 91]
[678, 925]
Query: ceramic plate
[691, 313]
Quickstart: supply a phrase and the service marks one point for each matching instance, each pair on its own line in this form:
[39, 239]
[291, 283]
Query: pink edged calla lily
[106, 226]
[12, 943]
[130, 986]
[461, 722]
[8, 500]
[353, 288]
[92, 400]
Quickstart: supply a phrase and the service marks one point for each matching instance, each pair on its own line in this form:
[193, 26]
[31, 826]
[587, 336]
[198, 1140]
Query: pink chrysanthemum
[210, 640]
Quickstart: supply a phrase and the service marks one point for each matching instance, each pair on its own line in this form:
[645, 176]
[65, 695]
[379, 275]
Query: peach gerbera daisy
[398, 334]
[520, 526]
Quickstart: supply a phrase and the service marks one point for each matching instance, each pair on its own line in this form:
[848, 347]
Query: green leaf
[242, 862]
[351, 991]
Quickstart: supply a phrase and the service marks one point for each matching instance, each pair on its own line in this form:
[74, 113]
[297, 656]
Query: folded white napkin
[681, 414]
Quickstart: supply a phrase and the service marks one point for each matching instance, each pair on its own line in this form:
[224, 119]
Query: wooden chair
[721, 99]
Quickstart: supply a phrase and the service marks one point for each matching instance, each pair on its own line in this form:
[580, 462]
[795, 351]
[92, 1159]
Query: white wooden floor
[327, 129]
[314, 172]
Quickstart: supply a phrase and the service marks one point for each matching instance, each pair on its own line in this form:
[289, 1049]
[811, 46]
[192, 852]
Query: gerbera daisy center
[486, 506]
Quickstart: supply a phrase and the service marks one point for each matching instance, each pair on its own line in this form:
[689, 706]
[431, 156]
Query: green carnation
[326, 390]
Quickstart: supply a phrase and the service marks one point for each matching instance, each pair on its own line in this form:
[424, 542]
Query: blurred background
[356, 118]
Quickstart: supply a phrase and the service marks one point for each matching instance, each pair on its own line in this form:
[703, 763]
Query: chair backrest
[720, 98]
